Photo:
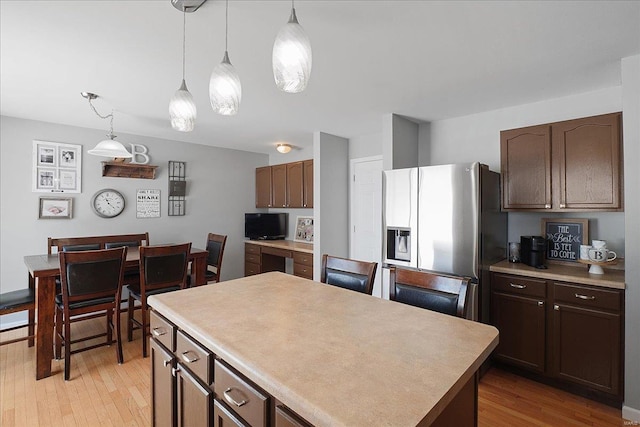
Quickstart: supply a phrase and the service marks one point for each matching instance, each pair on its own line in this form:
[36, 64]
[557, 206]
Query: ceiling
[425, 60]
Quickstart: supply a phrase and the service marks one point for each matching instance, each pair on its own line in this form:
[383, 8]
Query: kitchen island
[332, 356]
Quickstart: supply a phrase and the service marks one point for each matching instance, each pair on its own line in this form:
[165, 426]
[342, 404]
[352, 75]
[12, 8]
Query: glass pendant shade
[182, 110]
[225, 91]
[110, 148]
[292, 57]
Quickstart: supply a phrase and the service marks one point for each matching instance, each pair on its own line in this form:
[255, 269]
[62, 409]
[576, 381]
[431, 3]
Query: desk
[337, 357]
[262, 256]
[43, 270]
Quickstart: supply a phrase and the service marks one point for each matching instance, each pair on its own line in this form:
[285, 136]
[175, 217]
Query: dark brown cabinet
[163, 388]
[289, 185]
[567, 333]
[194, 401]
[518, 311]
[265, 257]
[586, 337]
[574, 165]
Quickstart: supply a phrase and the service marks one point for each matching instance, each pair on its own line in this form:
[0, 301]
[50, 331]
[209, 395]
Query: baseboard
[631, 414]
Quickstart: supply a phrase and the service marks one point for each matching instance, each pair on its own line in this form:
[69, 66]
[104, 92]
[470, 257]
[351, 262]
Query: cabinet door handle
[556, 307]
[540, 303]
[517, 286]
[159, 331]
[166, 362]
[562, 206]
[174, 371]
[190, 359]
[547, 206]
[587, 297]
[231, 400]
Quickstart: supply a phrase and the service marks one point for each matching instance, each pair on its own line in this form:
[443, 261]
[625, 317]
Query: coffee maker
[532, 249]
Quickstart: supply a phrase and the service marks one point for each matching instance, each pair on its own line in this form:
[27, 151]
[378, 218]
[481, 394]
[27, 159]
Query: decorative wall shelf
[128, 170]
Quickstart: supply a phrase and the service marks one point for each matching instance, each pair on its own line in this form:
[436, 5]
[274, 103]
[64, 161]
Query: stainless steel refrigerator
[446, 219]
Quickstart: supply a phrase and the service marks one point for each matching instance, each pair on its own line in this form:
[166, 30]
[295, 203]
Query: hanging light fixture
[283, 148]
[182, 109]
[292, 56]
[225, 91]
[108, 147]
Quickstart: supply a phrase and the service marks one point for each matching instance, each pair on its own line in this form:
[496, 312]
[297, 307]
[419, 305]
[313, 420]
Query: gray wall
[220, 188]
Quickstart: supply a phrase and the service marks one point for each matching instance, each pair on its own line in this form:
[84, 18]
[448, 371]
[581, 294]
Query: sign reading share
[148, 204]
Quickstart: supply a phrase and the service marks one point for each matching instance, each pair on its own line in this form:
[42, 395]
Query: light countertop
[284, 244]
[565, 273]
[336, 357]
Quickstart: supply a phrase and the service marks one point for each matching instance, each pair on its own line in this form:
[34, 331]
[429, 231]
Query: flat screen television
[265, 226]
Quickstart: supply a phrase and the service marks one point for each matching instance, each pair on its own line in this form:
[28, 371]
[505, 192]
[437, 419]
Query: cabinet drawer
[250, 269]
[287, 418]
[277, 252]
[195, 357]
[519, 285]
[303, 258]
[252, 258]
[222, 417]
[162, 330]
[242, 397]
[585, 296]
[303, 271]
[250, 248]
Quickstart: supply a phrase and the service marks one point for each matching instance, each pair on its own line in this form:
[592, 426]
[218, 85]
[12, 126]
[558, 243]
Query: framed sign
[564, 237]
[304, 229]
[148, 204]
[57, 167]
[55, 208]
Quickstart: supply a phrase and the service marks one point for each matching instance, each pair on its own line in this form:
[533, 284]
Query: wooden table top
[334, 356]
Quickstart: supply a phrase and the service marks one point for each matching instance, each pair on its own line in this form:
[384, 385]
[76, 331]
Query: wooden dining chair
[348, 273]
[17, 301]
[162, 269]
[91, 282]
[437, 292]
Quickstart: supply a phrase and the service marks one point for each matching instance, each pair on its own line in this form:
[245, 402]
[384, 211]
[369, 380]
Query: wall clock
[107, 203]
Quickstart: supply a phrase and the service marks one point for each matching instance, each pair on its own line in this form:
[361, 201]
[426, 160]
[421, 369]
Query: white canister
[599, 244]
[584, 251]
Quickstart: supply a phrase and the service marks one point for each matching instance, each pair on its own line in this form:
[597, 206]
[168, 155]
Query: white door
[366, 214]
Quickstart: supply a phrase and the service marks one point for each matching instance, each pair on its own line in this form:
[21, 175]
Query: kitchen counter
[566, 273]
[284, 244]
[334, 356]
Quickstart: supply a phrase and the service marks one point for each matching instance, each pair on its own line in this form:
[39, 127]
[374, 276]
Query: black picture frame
[564, 237]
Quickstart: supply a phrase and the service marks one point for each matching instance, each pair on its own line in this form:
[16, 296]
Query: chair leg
[58, 333]
[67, 348]
[32, 329]
[130, 303]
[109, 317]
[118, 334]
[144, 329]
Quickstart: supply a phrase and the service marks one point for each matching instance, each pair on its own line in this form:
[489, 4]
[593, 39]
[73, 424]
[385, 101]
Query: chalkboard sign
[564, 237]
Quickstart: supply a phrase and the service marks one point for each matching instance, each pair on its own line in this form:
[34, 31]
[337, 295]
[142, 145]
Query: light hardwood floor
[103, 393]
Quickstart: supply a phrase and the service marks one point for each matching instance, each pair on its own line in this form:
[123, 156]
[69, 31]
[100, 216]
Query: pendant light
[107, 147]
[225, 91]
[182, 109]
[292, 56]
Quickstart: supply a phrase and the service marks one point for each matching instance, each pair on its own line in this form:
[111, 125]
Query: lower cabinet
[570, 334]
[191, 387]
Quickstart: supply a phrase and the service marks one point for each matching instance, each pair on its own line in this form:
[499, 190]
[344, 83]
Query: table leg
[45, 294]
[200, 267]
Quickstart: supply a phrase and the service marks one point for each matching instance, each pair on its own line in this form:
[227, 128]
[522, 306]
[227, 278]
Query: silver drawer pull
[517, 286]
[159, 331]
[174, 372]
[587, 297]
[231, 400]
[166, 362]
[189, 359]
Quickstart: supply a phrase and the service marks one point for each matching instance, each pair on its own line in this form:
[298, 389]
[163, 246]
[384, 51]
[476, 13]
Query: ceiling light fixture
[225, 90]
[283, 148]
[182, 108]
[292, 56]
[108, 147]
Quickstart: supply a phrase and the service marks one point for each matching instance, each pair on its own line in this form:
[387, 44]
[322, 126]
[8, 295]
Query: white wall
[220, 188]
[368, 145]
[631, 132]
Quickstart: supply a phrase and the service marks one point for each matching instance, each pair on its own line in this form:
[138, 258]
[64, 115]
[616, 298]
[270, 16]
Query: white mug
[601, 255]
[599, 244]
[584, 251]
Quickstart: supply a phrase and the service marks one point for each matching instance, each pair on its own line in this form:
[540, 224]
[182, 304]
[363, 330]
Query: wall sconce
[283, 148]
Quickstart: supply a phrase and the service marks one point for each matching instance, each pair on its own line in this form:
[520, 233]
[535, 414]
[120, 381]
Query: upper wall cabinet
[288, 185]
[569, 166]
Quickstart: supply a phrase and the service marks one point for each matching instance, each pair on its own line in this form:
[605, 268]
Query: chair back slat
[163, 266]
[348, 273]
[215, 252]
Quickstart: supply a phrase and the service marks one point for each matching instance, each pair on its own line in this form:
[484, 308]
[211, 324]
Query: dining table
[43, 270]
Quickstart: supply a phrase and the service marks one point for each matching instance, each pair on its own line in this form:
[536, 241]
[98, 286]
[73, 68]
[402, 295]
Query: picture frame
[147, 203]
[564, 237]
[57, 167]
[55, 208]
[304, 229]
